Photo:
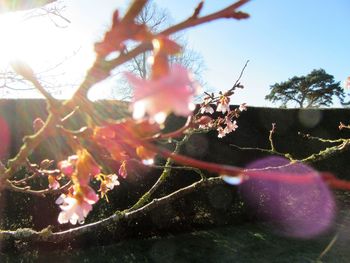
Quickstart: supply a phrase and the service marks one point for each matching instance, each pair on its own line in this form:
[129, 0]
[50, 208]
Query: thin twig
[42, 193]
[328, 247]
[240, 76]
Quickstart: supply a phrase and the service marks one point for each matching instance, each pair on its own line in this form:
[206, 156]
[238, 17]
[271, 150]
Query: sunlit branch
[65, 237]
[228, 12]
[69, 115]
[342, 145]
[101, 68]
[269, 151]
[30, 143]
[27, 189]
[237, 82]
[308, 136]
[27, 73]
[328, 152]
[24, 180]
[272, 131]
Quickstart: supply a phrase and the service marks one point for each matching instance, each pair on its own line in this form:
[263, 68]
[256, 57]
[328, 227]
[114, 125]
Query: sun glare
[7, 29]
[41, 44]
[33, 40]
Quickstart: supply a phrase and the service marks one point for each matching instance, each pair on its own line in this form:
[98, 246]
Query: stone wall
[19, 210]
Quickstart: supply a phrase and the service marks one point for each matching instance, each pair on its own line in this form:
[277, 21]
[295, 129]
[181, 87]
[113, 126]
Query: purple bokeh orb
[301, 209]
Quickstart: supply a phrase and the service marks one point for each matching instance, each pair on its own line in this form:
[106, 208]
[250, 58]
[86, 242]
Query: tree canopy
[316, 89]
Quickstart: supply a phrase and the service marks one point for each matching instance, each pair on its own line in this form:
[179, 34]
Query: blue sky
[281, 39]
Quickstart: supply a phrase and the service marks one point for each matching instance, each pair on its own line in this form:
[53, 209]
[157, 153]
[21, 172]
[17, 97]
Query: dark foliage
[314, 90]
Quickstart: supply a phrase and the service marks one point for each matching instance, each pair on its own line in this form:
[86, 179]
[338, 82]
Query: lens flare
[301, 210]
[4, 139]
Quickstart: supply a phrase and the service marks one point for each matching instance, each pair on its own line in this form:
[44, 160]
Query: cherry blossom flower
[73, 211]
[221, 132]
[80, 167]
[108, 183]
[230, 126]
[243, 107]
[77, 206]
[67, 167]
[159, 97]
[111, 181]
[207, 109]
[223, 104]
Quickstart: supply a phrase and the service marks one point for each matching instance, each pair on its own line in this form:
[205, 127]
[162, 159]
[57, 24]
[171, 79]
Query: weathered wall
[253, 131]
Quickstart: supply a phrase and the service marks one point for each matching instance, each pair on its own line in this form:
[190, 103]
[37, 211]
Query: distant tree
[313, 90]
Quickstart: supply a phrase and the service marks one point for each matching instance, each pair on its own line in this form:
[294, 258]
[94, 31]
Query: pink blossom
[243, 107]
[73, 211]
[221, 132]
[223, 104]
[67, 167]
[76, 207]
[111, 180]
[158, 97]
[207, 109]
[108, 182]
[230, 126]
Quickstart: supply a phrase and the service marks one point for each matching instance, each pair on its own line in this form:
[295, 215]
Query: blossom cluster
[77, 202]
[224, 125]
[170, 89]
